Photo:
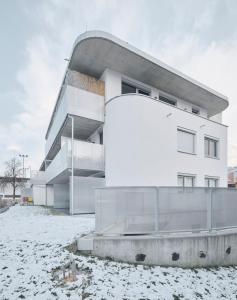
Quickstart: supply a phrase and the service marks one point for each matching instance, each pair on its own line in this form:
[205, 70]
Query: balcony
[88, 109]
[38, 177]
[88, 160]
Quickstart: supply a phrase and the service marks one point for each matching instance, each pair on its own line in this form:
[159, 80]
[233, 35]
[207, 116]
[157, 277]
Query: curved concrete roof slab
[94, 51]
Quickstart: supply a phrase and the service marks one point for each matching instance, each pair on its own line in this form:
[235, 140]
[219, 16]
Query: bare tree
[12, 175]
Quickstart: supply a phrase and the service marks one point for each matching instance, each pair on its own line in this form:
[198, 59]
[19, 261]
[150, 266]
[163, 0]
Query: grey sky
[197, 37]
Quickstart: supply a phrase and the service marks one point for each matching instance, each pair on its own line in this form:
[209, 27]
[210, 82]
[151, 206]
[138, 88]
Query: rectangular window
[211, 146]
[195, 111]
[139, 91]
[186, 141]
[211, 182]
[128, 88]
[186, 180]
[167, 100]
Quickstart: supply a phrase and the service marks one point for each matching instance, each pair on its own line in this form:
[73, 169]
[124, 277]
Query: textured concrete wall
[183, 251]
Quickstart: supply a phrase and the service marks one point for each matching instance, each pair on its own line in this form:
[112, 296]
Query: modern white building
[124, 118]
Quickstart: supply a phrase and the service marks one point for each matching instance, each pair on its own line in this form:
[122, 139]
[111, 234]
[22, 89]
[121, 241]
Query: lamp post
[23, 156]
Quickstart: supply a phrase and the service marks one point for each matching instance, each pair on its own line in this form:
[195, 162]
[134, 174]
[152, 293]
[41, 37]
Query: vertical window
[101, 137]
[211, 182]
[211, 146]
[186, 141]
[186, 180]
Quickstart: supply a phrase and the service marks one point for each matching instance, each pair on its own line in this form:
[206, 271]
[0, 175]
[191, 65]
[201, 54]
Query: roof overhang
[94, 51]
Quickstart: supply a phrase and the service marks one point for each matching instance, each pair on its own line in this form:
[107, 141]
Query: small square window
[195, 111]
[186, 180]
[211, 182]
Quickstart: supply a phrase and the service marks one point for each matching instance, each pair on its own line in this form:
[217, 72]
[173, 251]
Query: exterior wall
[140, 137]
[61, 195]
[84, 190]
[39, 194]
[181, 251]
[112, 81]
[49, 195]
[217, 118]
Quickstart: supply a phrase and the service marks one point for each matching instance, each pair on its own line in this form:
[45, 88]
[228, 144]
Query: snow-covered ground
[32, 242]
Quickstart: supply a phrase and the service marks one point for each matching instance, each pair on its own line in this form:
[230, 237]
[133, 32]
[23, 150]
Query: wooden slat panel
[86, 82]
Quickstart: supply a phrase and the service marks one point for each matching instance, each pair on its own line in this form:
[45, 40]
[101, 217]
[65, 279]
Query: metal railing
[156, 210]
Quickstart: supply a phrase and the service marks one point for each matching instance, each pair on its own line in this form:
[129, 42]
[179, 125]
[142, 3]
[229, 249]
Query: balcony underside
[63, 177]
[83, 128]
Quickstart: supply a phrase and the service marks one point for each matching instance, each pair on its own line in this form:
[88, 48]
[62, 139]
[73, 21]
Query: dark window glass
[128, 89]
[166, 100]
[195, 111]
[101, 137]
[143, 92]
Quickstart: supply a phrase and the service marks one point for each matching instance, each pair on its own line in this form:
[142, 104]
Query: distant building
[232, 177]
[7, 191]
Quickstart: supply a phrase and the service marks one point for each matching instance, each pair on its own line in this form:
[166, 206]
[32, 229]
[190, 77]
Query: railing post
[209, 210]
[157, 211]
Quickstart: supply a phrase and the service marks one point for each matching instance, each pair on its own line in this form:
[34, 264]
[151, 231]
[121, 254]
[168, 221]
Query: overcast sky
[197, 37]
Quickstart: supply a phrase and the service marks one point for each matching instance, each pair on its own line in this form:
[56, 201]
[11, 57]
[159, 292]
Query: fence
[146, 210]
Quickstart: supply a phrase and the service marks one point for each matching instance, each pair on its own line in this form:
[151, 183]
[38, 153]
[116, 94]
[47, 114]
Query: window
[195, 111]
[186, 141]
[186, 180]
[211, 182]
[211, 147]
[128, 89]
[101, 137]
[131, 89]
[167, 100]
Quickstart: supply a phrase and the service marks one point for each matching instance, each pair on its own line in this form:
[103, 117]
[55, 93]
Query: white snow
[32, 243]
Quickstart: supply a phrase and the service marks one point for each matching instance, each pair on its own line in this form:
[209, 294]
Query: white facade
[141, 141]
[111, 108]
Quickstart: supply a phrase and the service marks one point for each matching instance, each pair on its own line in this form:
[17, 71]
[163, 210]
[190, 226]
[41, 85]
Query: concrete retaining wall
[190, 250]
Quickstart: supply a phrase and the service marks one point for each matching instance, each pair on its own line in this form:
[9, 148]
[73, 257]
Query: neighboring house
[7, 190]
[133, 121]
[232, 177]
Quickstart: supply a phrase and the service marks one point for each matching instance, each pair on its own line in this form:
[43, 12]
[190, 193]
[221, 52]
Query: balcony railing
[158, 210]
[87, 156]
[76, 102]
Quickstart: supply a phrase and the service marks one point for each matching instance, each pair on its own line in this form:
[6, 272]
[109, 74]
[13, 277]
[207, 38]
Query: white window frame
[170, 100]
[188, 131]
[137, 87]
[207, 178]
[216, 140]
[183, 176]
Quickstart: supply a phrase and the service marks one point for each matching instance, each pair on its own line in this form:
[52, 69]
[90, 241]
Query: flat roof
[94, 51]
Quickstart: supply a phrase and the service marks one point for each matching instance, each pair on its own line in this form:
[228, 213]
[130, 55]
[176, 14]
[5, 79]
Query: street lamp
[23, 156]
